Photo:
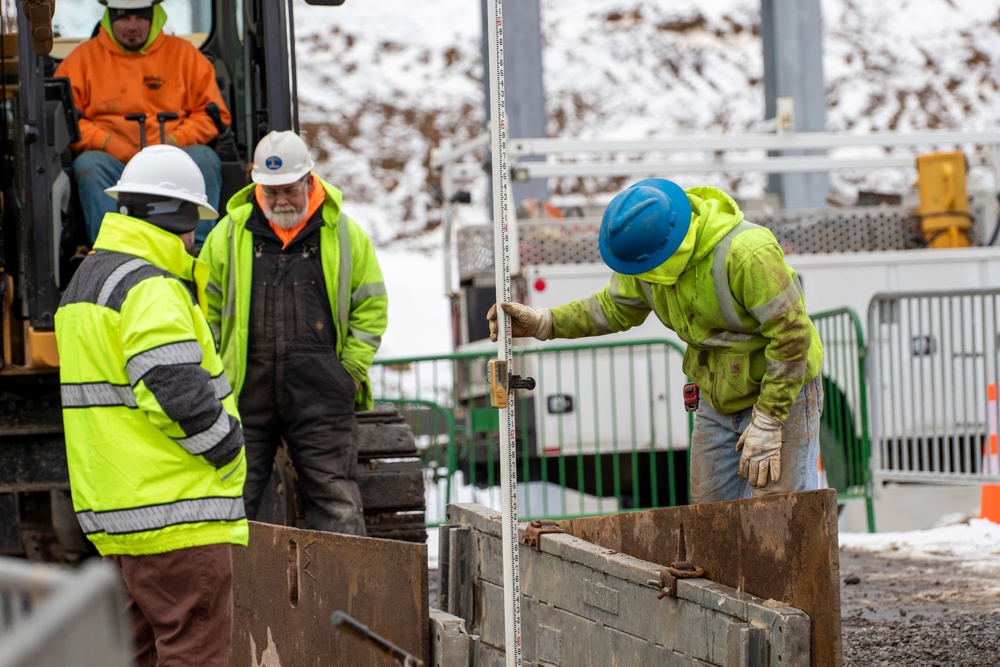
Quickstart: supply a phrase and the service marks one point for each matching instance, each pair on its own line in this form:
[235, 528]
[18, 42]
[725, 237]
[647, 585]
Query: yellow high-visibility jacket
[735, 302]
[358, 301]
[153, 439]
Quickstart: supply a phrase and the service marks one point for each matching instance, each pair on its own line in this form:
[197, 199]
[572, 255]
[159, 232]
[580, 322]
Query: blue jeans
[715, 463]
[95, 171]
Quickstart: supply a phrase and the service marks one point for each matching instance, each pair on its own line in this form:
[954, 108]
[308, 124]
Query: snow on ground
[972, 543]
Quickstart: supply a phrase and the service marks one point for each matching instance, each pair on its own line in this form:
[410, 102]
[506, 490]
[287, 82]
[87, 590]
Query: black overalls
[296, 388]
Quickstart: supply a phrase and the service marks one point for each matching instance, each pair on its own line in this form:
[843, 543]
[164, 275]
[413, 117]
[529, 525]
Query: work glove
[761, 447]
[526, 322]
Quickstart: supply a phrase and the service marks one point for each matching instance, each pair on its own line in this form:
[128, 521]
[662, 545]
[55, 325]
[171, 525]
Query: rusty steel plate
[289, 581]
[781, 547]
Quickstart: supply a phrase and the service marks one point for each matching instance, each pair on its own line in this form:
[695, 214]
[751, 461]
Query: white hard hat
[165, 171]
[281, 158]
[129, 4]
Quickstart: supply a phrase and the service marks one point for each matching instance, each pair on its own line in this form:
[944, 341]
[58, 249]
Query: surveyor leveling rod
[499, 374]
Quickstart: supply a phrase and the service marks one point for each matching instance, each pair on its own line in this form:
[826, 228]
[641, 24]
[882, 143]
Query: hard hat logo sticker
[273, 162]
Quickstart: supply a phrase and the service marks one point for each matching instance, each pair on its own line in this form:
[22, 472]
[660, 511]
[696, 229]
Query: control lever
[163, 117]
[225, 144]
[141, 119]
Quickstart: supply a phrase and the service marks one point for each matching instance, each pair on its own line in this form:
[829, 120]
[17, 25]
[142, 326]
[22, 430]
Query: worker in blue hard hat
[723, 285]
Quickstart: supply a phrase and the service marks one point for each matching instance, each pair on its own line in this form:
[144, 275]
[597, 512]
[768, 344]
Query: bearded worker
[298, 305]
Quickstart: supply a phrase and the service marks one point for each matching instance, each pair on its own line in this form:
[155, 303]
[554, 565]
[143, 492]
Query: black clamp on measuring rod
[502, 382]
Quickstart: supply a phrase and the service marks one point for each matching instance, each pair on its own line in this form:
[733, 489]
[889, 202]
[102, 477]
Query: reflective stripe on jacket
[167, 75]
[737, 304]
[153, 441]
[354, 285]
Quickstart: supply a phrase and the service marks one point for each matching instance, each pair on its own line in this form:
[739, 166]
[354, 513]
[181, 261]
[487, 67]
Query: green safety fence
[845, 444]
[603, 431]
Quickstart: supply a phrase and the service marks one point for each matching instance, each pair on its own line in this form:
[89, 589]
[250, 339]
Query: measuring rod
[500, 369]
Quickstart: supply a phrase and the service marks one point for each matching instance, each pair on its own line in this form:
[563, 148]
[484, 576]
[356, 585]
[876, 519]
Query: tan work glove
[525, 322]
[761, 446]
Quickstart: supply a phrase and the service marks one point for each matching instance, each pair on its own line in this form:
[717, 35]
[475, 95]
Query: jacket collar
[132, 236]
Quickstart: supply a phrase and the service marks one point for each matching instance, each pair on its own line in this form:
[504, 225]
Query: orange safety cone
[990, 500]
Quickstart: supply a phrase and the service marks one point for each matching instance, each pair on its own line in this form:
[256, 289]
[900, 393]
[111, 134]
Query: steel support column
[793, 67]
[525, 92]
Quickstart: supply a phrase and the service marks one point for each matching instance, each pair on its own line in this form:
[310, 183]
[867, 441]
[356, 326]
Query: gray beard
[285, 219]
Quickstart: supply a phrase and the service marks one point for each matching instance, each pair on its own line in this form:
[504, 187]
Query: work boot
[39, 14]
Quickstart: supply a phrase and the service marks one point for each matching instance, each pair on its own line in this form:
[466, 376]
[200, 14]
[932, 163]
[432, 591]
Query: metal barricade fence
[845, 445]
[932, 363]
[604, 429]
[53, 617]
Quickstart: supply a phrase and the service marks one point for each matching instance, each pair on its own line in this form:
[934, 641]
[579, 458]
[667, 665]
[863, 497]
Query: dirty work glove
[761, 446]
[526, 322]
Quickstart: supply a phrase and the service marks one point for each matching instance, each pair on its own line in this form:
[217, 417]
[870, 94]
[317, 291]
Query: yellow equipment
[944, 201]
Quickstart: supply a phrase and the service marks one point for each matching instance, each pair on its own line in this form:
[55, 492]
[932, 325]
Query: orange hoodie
[168, 75]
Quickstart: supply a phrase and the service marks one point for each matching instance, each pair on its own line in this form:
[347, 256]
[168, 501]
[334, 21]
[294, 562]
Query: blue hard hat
[644, 225]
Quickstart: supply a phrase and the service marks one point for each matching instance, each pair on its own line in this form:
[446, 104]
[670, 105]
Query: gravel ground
[904, 611]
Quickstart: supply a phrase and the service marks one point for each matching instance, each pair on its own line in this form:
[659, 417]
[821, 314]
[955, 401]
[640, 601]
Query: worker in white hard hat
[722, 285]
[153, 439]
[136, 85]
[292, 278]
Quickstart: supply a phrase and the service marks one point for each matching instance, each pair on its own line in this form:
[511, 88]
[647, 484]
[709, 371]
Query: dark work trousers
[180, 605]
[296, 389]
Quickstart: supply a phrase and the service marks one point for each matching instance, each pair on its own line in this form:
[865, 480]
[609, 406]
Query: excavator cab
[41, 228]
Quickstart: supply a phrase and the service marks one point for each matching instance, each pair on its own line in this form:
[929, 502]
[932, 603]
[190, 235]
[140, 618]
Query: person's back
[153, 440]
[132, 69]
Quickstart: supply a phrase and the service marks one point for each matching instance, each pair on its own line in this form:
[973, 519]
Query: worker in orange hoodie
[131, 66]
